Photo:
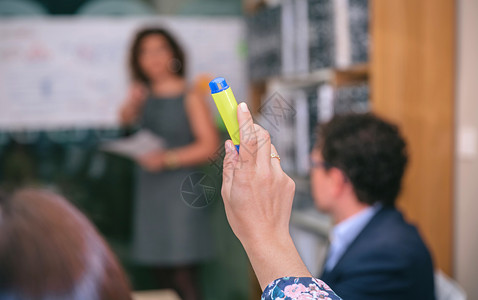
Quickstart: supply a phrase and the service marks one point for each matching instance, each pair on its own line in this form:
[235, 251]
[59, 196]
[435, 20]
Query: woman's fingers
[230, 161]
[275, 162]
[248, 147]
[263, 157]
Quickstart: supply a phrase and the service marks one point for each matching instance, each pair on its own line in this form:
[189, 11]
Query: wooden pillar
[413, 84]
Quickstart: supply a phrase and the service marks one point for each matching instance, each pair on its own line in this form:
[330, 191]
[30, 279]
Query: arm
[258, 199]
[274, 257]
[306, 288]
[205, 143]
[204, 130]
[131, 107]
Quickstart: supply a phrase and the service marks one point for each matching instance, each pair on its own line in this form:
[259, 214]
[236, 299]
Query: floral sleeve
[298, 288]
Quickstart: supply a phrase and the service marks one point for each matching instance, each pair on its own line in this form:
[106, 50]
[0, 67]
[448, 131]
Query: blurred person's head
[154, 55]
[358, 160]
[49, 250]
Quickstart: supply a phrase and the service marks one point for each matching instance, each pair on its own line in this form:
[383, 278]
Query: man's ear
[339, 181]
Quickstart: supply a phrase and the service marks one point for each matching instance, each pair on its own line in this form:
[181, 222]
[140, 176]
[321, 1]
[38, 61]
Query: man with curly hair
[357, 167]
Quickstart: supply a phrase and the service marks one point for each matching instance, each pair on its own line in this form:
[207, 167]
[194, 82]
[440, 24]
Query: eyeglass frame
[320, 164]
[326, 165]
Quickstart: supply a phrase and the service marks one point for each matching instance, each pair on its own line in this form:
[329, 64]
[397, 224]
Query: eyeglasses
[326, 166]
[319, 164]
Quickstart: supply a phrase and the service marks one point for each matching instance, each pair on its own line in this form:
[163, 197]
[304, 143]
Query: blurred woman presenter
[169, 235]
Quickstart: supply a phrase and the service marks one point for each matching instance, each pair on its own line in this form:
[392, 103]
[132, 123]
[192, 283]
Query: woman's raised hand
[257, 193]
[258, 199]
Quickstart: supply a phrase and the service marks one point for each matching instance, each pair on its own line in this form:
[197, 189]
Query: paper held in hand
[142, 142]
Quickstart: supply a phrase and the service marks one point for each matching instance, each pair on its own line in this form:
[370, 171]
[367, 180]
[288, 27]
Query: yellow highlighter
[227, 106]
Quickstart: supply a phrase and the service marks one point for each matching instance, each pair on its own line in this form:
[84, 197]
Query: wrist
[259, 243]
[275, 258]
[171, 160]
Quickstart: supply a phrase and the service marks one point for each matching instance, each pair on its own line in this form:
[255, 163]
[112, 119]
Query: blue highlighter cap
[218, 85]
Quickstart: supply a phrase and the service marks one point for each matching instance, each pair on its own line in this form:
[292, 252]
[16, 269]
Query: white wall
[466, 158]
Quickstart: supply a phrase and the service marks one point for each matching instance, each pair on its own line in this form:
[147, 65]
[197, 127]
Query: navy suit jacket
[388, 260]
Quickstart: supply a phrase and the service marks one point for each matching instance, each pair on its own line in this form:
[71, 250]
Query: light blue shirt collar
[345, 232]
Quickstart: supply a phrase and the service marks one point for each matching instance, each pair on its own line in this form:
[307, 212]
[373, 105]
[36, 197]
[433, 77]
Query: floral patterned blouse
[298, 288]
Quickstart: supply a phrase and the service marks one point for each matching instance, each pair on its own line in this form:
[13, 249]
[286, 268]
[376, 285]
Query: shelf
[352, 74]
[304, 80]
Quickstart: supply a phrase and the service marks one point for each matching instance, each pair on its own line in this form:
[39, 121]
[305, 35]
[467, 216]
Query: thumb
[229, 164]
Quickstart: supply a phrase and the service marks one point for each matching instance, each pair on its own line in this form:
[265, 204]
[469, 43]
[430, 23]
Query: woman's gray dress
[167, 231]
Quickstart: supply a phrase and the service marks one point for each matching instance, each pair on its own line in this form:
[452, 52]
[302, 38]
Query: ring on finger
[275, 155]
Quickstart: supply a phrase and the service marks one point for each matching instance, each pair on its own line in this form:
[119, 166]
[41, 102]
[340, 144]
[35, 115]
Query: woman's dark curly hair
[370, 152]
[137, 73]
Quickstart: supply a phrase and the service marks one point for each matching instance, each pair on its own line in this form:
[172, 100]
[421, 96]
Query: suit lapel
[332, 275]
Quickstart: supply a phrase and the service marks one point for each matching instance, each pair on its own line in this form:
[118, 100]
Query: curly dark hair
[371, 153]
[137, 73]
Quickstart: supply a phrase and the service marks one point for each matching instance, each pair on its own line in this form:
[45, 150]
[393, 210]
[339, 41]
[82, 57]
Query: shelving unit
[411, 79]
